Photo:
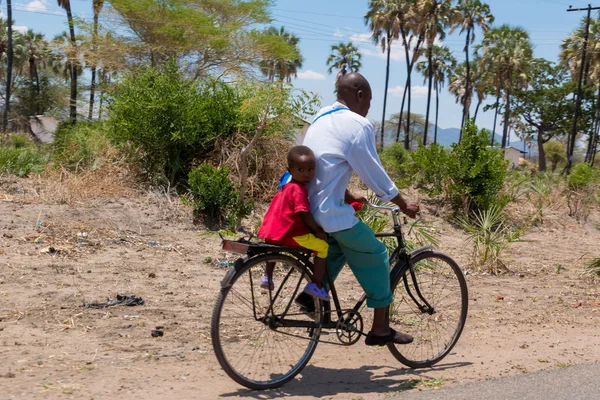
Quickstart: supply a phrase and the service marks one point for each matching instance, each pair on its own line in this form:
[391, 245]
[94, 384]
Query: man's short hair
[296, 152]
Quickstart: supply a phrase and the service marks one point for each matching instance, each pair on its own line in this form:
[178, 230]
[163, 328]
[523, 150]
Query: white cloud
[338, 34]
[20, 28]
[311, 75]
[397, 52]
[35, 5]
[417, 92]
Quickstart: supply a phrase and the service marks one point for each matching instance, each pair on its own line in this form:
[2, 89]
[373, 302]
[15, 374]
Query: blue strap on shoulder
[330, 112]
[285, 178]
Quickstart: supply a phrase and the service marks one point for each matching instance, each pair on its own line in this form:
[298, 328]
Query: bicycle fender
[226, 282]
[420, 250]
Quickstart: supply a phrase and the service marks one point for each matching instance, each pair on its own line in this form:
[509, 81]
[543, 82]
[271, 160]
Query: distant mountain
[451, 135]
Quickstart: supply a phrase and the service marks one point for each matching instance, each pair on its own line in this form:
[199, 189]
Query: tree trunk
[588, 154]
[476, 111]
[495, 116]
[437, 113]
[430, 58]
[9, 63]
[73, 66]
[506, 118]
[93, 83]
[595, 146]
[387, 78]
[542, 154]
[400, 115]
[244, 160]
[466, 102]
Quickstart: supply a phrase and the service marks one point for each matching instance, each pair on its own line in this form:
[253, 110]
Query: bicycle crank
[349, 328]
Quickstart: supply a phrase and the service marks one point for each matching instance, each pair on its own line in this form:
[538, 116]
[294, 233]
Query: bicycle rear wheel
[437, 329]
[253, 352]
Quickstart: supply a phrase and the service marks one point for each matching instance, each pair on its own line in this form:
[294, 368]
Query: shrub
[83, 146]
[490, 235]
[398, 162]
[170, 119]
[431, 168]
[212, 193]
[555, 153]
[22, 161]
[476, 172]
[581, 175]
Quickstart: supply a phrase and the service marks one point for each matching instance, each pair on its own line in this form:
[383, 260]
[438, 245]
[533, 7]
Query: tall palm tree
[480, 84]
[474, 14]
[570, 56]
[97, 6]
[36, 53]
[66, 4]
[285, 65]
[443, 63]
[9, 51]
[383, 18]
[509, 52]
[344, 57]
[437, 15]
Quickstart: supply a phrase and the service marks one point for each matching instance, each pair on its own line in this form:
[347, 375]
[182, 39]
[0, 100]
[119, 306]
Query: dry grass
[268, 161]
[60, 186]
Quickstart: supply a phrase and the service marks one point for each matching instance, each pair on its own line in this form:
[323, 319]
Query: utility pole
[571, 143]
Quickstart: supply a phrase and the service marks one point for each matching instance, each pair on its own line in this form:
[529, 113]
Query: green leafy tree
[554, 152]
[546, 106]
[171, 119]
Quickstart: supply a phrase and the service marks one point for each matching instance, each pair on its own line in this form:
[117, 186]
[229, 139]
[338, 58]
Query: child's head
[301, 164]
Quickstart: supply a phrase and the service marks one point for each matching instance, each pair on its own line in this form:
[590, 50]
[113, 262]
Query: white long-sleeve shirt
[343, 142]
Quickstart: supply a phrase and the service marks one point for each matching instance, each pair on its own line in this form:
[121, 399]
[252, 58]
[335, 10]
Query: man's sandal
[392, 337]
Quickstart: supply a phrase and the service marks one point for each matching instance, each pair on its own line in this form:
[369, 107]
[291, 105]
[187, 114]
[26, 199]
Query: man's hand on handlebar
[410, 208]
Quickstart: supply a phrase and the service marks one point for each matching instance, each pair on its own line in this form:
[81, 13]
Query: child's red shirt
[282, 221]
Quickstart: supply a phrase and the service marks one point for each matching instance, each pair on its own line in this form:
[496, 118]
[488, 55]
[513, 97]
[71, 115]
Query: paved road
[581, 382]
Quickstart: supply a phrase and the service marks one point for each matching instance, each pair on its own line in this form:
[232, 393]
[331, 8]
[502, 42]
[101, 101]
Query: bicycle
[262, 338]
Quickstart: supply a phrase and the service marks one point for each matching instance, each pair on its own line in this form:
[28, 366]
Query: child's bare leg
[269, 270]
[319, 270]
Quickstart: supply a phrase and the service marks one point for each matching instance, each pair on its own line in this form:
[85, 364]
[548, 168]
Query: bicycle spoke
[254, 351]
[439, 283]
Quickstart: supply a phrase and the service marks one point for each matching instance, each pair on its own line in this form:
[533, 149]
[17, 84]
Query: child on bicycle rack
[288, 221]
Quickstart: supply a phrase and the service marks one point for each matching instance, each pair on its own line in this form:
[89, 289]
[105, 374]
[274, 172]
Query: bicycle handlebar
[395, 212]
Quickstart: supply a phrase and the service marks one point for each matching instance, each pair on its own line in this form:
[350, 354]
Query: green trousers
[368, 260]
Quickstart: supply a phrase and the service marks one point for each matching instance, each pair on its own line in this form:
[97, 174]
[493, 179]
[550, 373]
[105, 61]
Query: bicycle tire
[225, 333]
[449, 318]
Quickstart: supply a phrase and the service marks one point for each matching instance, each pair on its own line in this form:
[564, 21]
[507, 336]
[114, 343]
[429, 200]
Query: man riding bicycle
[343, 142]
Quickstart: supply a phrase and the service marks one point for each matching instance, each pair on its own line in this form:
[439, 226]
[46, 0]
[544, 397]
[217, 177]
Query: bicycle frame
[399, 258]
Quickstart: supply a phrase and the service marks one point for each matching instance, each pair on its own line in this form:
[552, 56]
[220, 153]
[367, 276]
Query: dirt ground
[57, 255]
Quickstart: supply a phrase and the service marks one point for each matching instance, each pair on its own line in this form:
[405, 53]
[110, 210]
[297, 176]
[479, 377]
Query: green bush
[22, 161]
[476, 172]
[398, 162]
[431, 168]
[212, 193]
[83, 146]
[172, 120]
[581, 175]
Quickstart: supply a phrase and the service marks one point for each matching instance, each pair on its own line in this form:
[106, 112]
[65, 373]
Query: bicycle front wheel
[251, 348]
[437, 328]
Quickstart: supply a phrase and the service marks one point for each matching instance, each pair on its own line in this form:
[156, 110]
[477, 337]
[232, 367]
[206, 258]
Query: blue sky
[322, 23]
